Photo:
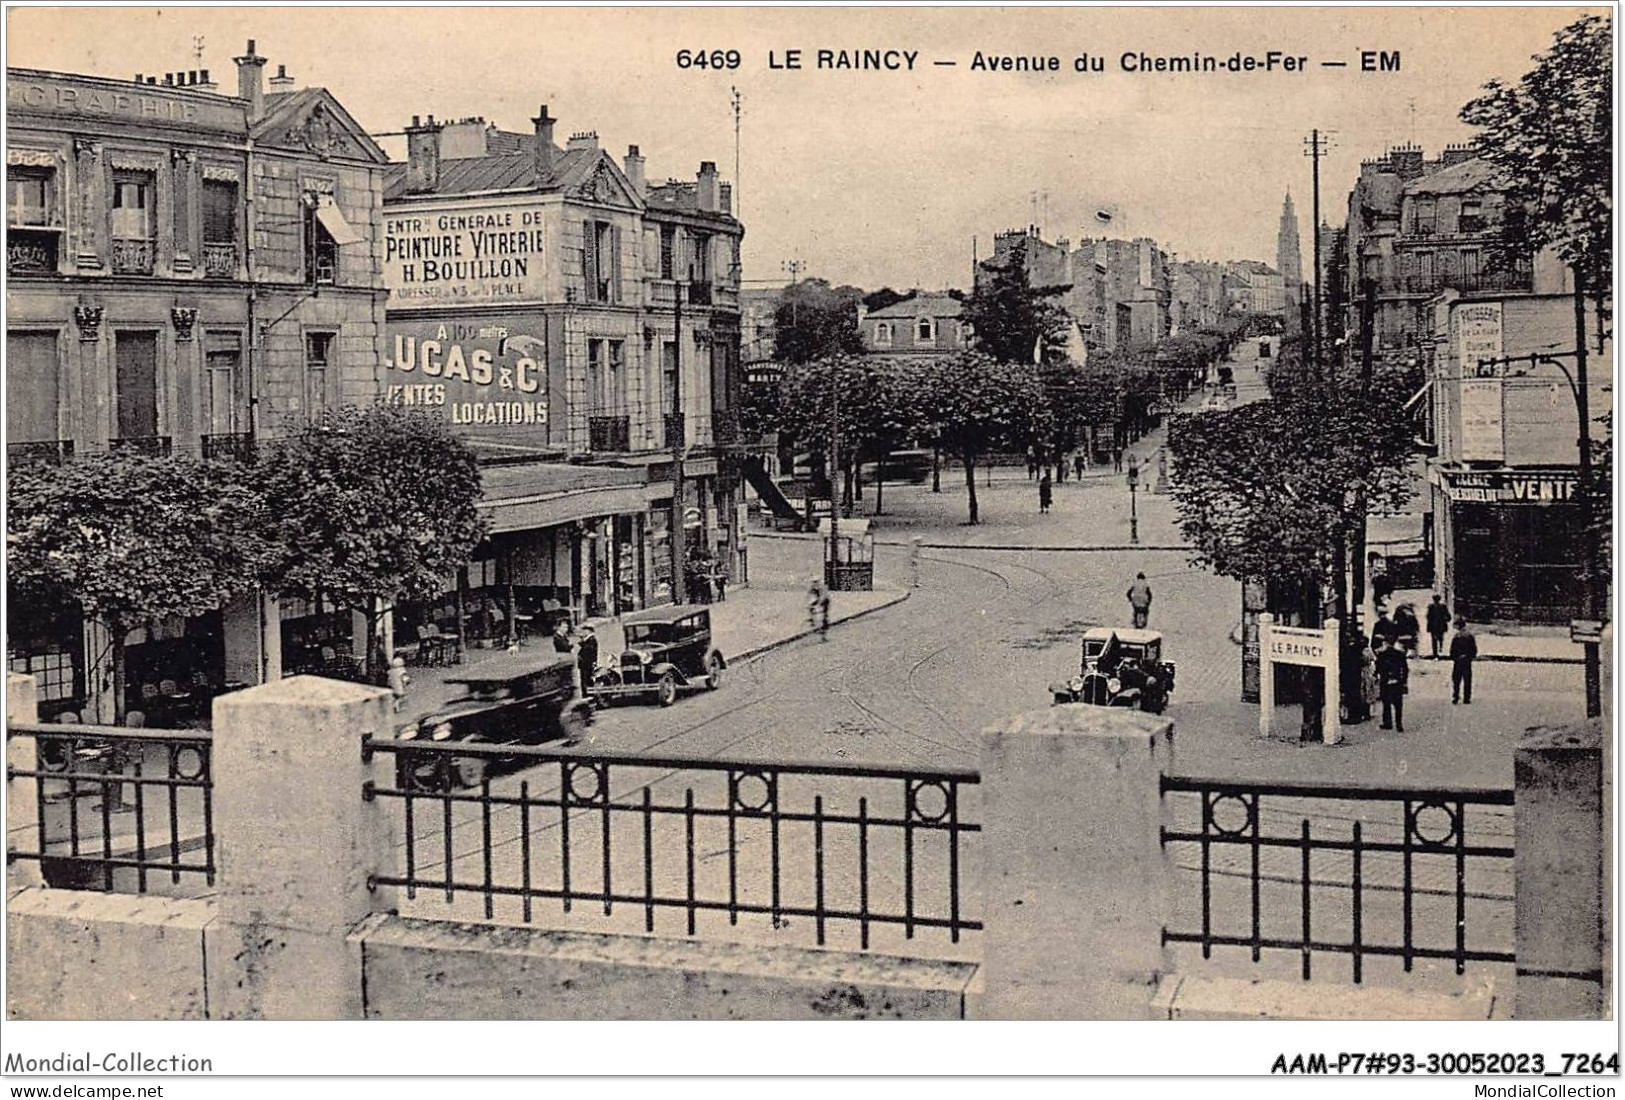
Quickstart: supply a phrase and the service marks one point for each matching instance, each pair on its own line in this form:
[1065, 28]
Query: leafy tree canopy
[978, 403]
[815, 320]
[1010, 316]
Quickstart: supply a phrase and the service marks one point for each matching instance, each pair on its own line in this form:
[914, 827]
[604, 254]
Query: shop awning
[342, 232]
[546, 494]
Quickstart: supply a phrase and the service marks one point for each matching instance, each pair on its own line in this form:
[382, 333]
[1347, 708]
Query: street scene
[465, 568]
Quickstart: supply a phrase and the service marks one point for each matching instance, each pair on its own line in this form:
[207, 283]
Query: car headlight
[1114, 685]
[643, 658]
[442, 732]
[1076, 683]
[407, 733]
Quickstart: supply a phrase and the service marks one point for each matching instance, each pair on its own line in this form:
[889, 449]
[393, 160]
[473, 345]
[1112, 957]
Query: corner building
[189, 271]
[580, 328]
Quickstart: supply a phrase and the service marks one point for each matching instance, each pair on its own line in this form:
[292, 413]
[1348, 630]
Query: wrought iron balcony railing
[1467, 281]
[609, 433]
[220, 260]
[52, 452]
[132, 256]
[154, 446]
[699, 293]
[31, 251]
[675, 428]
[229, 445]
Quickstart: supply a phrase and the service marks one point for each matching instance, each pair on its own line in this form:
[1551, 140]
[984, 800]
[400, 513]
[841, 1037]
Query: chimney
[250, 74]
[204, 82]
[584, 139]
[281, 81]
[422, 155]
[635, 172]
[542, 149]
[706, 196]
[1455, 154]
[725, 198]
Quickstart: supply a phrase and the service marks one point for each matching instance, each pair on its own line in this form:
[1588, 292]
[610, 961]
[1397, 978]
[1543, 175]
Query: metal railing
[31, 251]
[774, 839]
[133, 256]
[234, 445]
[1466, 281]
[154, 446]
[1400, 867]
[220, 260]
[52, 452]
[675, 429]
[152, 814]
[609, 433]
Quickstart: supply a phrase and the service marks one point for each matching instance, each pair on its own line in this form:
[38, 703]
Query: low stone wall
[436, 970]
[82, 955]
[1191, 998]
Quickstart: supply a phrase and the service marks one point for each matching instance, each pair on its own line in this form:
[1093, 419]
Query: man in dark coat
[1463, 652]
[1438, 623]
[1383, 630]
[1393, 679]
[587, 656]
[1045, 493]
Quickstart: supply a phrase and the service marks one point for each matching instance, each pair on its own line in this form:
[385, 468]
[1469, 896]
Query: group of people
[1041, 460]
[1394, 642]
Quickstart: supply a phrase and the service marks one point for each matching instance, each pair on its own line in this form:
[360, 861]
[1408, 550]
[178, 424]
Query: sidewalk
[1504, 641]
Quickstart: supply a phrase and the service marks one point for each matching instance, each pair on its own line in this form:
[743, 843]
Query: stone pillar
[92, 185]
[1078, 886]
[22, 795]
[1561, 907]
[295, 844]
[252, 627]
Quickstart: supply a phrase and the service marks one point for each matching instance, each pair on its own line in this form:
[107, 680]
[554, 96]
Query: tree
[1010, 316]
[878, 405]
[885, 296]
[1551, 135]
[379, 503]
[977, 402]
[814, 321]
[133, 540]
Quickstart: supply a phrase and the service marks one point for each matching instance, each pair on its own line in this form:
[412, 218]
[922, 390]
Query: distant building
[1118, 292]
[1288, 258]
[1255, 287]
[924, 323]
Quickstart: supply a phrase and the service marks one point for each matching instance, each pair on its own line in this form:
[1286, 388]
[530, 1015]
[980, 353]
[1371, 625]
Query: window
[28, 196]
[668, 251]
[1424, 269]
[321, 250]
[668, 376]
[700, 269]
[1472, 217]
[32, 387]
[134, 205]
[1426, 217]
[220, 228]
[617, 365]
[318, 361]
[601, 261]
[1469, 268]
[135, 356]
[597, 384]
[924, 331]
[883, 334]
[222, 358]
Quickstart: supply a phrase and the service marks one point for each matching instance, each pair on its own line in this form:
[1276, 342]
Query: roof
[668, 614]
[680, 197]
[1126, 635]
[1468, 175]
[288, 117]
[500, 172]
[499, 483]
[931, 304]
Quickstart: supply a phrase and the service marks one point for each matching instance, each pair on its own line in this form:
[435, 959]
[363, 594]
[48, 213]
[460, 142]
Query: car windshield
[648, 632]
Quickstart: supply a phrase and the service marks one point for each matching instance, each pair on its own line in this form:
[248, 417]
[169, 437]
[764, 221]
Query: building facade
[926, 323]
[1255, 287]
[581, 329]
[188, 271]
[1508, 531]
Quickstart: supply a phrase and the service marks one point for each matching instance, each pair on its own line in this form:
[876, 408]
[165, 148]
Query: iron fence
[832, 844]
[153, 810]
[1405, 864]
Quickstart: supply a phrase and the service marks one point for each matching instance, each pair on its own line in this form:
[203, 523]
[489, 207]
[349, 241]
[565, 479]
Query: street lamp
[1133, 505]
[831, 571]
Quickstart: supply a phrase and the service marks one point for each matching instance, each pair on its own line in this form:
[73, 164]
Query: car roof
[1125, 634]
[517, 666]
[668, 614]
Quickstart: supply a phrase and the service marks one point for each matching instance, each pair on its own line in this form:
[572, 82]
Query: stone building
[924, 323]
[1289, 259]
[580, 327]
[1255, 287]
[190, 270]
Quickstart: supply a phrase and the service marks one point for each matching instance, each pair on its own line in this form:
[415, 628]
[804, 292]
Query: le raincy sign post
[1296, 645]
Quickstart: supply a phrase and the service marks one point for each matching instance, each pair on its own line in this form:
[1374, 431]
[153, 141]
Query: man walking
[1463, 652]
[1438, 623]
[587, 657]
[1139, 598]
[1393, 679]
[1045, 494]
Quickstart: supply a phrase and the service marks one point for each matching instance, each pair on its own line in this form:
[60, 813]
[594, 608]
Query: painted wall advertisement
[488, 377]
[479, 255]
[1476, 334]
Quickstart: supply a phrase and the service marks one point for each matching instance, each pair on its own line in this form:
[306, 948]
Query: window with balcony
[220, 229]
[31, 240]
[318, 365]
[668, 251]
[134, 218]
[224, 421]
[601, 261]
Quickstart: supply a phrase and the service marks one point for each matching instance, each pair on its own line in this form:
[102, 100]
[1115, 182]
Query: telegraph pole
[1596, 600]
[739, 204]
[677, 440]
[830, 571]
[1315, 146]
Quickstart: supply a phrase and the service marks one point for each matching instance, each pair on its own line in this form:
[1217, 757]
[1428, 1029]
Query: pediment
[314, 122]
[605, 183]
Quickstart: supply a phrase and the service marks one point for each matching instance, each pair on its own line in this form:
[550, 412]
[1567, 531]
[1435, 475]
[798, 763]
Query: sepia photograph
[1007, 514]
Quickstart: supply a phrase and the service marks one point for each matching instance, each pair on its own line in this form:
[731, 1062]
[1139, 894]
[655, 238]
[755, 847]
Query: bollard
[22, 795]
[914, 561]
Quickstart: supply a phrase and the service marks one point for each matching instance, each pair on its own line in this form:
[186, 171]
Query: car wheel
[714, 671]
[666, 689]
[470, 770]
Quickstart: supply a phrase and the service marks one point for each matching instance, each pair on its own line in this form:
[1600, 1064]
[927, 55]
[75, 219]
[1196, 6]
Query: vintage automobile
[518, 699]
[1122, 667]
[668, 650]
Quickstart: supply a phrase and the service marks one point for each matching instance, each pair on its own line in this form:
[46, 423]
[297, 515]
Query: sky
[887, 177]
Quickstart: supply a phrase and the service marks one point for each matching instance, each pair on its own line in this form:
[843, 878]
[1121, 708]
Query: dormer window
[925, 331]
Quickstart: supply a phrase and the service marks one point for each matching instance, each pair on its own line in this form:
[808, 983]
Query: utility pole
[739, 203]
[1596, 599]
[830, 571]
[677, 440]
[1315, 147]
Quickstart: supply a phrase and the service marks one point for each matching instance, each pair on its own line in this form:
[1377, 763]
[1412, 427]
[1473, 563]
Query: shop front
[1511, 543]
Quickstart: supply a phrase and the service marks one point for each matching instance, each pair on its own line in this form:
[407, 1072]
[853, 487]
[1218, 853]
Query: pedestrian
[818, 608]
[398, 679]
[561, 636]
[1139, 598]
[1045, 493]
[1368, 682]
[1393, 680]
[1117, 459]
[1032, 463]
[1406, 629]
[587, 657]
[1463, 652]
[1382, 630]
[1080, 463]
[1438, 622]
[1162, 471]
